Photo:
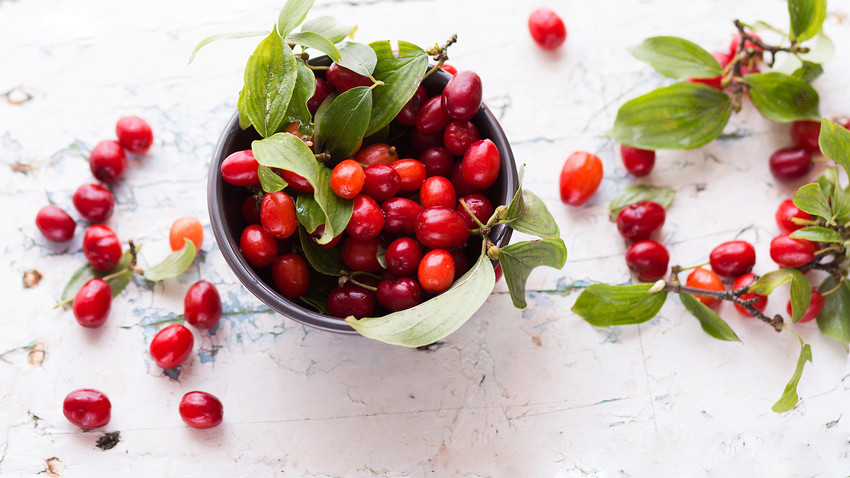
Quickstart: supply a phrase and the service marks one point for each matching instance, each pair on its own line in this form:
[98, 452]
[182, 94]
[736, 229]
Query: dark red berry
[648, 259]
[480, 206]
[701, 278]
[361, 255]
[101, 247]
[108, 161]
[805, 134]
[481, 164]
[637, 161]
[789, 252]
[422, 141]
[438, 161]
[291, 275]
[55, 224]
[251, 210]
[437, 191]
[411, 172]
[399, 294]
[323, 90]
[93, 202]
[580, 178]
[87, 408]
[278, 216]
[351, 301]
[733, 258]
[381, 182]
[462, 263]
[347, 179]
[258, 247]
[640, 220]
[296, 182]
[786, 212]
[403, 256]
[171, 346]
[816, 303]
[240, 169]
[790, 163]
[92, 303]
[547, 29]
[498, 272]
[134, 134]
[431, 117]
[436, 271]
[407, 115]
[462, 95]
[459, 135]
[367, 219]
[441, 228]
[462, 188]
[343, 79]
[202, 305]
[201, 410]
[377, 153]
[760, 304]
[400, 216]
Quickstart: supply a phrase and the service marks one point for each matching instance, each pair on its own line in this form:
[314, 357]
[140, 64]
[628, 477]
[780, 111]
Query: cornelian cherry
[733, 258]
[343, 79]
[648, 259]
[462, 263]
[637, 161]
[422, 141]
[701, 278]
[438, 161]
[580, 178]
[347, 179]
[788, 211]
[547, 29]
[351, 300]
[101, 247]
[437, 191]
[462, 188]
[380, 182]
[361, 255]
[258, 247]
[202, 305]
[240, 169]
[411, 172]
[790, 163]
[87, 408]
[431, 117]
[760, 304]
[403, 256]
[481, 164]
[184, 228]
[319, 232]
[399, 294]
[407, 115]
[449, 69]
[296, 182]
[367, 219]
[480, 206]
[323, 90]
[640, 220]
[377, 153]
[134, 134]
[171, 346]
[278, 216]
[816, 303]
[107, 161]
[790, 252]
[400, 215]
[251, 209]
[93, 202]
[459, 135]
[291, 275]
[441, 228]
[92, 303]
[55, 224]
[461, 98]
[805, 134]
[436, 271]
[201, 410]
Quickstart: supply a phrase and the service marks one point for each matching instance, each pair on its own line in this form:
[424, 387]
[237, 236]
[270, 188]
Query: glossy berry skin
[380, 182]
[480, 206]
[547, 29]
[637, 161]
[580, 178]
[101, 247]
[462, 263]
[438, 161]
[403, 256]
[93, 202]
[343, 79]
[278, 216]
[367, 219]
[411, 172]
[701, 278]
[462, 188]
[377, 153]
[400, 216]
[399, 294]
[187, 227]
[462, 95]
[431, 118]
[55, 224]
[258, 247]
[436, 271]
[296, 182]
[459, 135]
[640, 220]
[437, 191]
[202, 305]
[481, 164]
[744, 281]
[449, 69]
[736, 41]
[790, 163]
[816, 303]
[291, 275]
[251, 210]
[323, 90]
[733, 258]
[134, 134]
[805, 134]
[441, 228]
[201, 410]
[171, 346]
[351, 300]
[785, 212]
[361, 255]
[648, 259]
[407, 115]
[789, 252]
[92, 303]
[107, 161]
[422, 141]
[347, 179]
[87, 408]
[240, 169]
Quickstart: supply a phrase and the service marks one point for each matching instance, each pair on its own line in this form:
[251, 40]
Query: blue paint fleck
[172, 373]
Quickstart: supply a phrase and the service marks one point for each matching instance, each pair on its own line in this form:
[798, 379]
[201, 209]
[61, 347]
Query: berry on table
[637, 161]
[733, 258]
[186, 227]
[701, 278]
[580, 178]
[791, 163]
[101, 247]
[805, 134]
[816, 303]
[461, 98]
[87, 408]
[790, 252]
[171, 346]
[93, 202]
[648, 259]
[92, 303]
[640, 220]
[202, 305]
[55, 224]
[134, 134]
[547, 29]
[347, 179]
[760, 304]
[201, 410]
[107, 161]
[788, 211]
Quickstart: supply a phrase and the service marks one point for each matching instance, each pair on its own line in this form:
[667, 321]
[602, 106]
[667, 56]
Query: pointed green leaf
[293, 13]
[834, 143]
[358, 57]
[801, 291]
[174, 264]
[519, 259]
[270, 77]
[808, 71]
[807, 18]
[326, 261]
[528, 214]
[270, 181]
[629, 195]
[224, 36]
[782, 98]
[834, 320]
[87, 272]
[817, 234]
[677, 58]
[310, 214]
[319, 118]
[305, 87]
[605, 305]
[813, 200]
[401, 76]
[315, 41]
[789, 397]
[329, 28]
[680, 116]
[242, 108]
[344, 123]
[710, 322]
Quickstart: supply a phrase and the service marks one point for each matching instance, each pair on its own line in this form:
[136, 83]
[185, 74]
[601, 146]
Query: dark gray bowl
[225, 204]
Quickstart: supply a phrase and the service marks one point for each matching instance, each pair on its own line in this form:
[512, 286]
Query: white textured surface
[512, 393]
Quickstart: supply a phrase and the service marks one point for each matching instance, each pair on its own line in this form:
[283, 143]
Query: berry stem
[440, 54]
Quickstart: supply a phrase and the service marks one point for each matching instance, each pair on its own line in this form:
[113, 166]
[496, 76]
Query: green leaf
[401, 77]
[436, 318]
[680, 116]
[782, 98]
[358, 57]
[292, 14]
[318, 138]
[677, 58]
[174, 264]
[329, 28]
[288, 152]
[325, 261]
[344, 123]
[807, 18]
[315, 41]
[605, 305]
[808, 72]
[828, 180]
[242, 108]
[834, 319]
[518, 260]
[87, 272]
[817, 234]
[710, 322]
[637, 193]
[801, 291]
[224, 36]
[813, 200]
[834, 141]
[305, 86]
[310, 214]
[841, 205]
[270, 77]
[527, 213]
[789, 397]
[270, 181]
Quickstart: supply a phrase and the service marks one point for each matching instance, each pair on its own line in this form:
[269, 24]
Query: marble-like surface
[512, 393]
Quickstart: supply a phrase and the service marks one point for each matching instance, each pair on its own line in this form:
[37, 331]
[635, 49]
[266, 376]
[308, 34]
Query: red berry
[55, 224]
[705, 279]
[403, 256]
[736, 41]
[323, 90]
[479, 205]
[437, 191]
[805, 134]
[361, 255]
[202, 305]
[171, 346]
[449, 69]
[92, 303]
[461, 97]
[459, 135]
[407, 115]
[187, 227]
[367, 219]
[378, 153]
[87, 408]
[816, 303]
[411, 172]
[258, 247]
[733, 258]
[744, 281]
[441, 228]
[498, 272]
[107, 161]
[640, 220]
[790, 163]
[381, 182]
[462, 188]
[422, 141]
[94, 202]
[400, 215]
[648, 259]
[399, 294]
[291, 275]
[436, 271]
[251, 210]
[351, 301]
[347, 179]
[134, 134]
[716, 82]
[789, 252]
[296, 182]
[278, 216]
[580, 178]
[785, 212]
[240, 169]
[343, 79]
[462, 263]
[438, 161]
[481, 164]
[431, 117]
[101, 247]
[547, 29]
[637, 161]
[201, 410]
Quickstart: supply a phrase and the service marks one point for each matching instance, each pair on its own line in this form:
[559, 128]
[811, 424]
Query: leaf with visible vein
[710, 322]
[677, 58]
[605, 305]
[789, 397]
[174, 264]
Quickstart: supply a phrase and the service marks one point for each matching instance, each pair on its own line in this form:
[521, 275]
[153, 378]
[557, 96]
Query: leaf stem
[474, 217]
[360, 284]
